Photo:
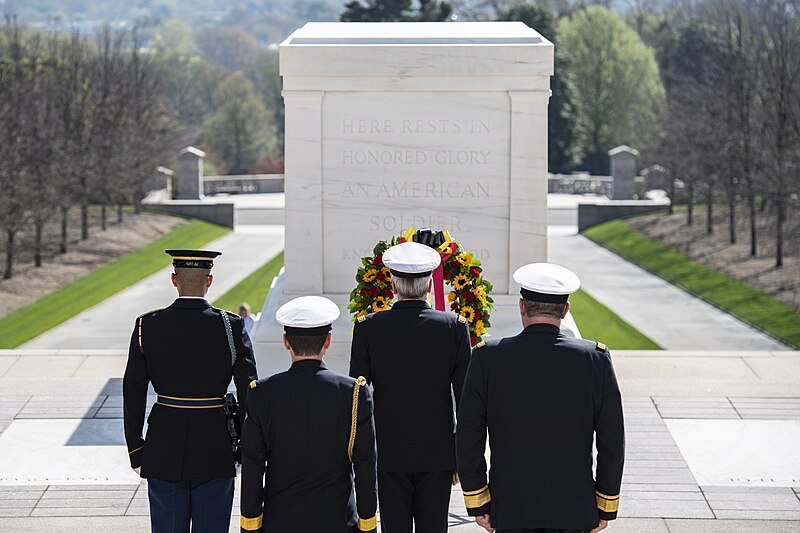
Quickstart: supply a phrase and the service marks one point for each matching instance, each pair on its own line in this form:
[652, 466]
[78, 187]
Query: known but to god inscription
[394, 160]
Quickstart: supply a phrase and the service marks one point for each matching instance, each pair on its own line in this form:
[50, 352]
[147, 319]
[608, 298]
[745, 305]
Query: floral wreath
[469, 297]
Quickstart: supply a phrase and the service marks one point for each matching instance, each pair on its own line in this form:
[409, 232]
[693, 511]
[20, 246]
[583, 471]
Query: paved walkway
[671, 317]
[109, 324]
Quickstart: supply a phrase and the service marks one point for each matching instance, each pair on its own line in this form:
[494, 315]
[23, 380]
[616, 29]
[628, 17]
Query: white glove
[238, 468]
[138, 470]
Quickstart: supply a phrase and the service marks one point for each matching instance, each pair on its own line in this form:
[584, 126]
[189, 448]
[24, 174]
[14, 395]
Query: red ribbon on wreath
[442, 242]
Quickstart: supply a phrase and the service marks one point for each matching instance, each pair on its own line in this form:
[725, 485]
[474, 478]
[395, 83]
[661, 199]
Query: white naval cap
[546, 282]
[307, 316]
[411, 259]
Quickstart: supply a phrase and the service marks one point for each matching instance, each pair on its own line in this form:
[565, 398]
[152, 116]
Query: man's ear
[522, 307]
[174, 279]
[430, 285]
[328, 341]
[286, 344]
[566, 310]
[209, 280]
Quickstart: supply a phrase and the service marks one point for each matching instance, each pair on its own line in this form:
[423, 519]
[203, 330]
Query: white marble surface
[69, 451]
[746, 453]
[413, 124]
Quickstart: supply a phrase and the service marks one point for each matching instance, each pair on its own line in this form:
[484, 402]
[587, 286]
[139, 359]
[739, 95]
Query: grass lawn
[253, 289]
[749, 305]
[51, 310]
[595, 321]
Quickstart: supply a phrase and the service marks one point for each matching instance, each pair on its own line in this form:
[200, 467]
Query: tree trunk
[690, 210]
[62, 248]
[9, 255]
[37, 245]
[751, 204]
[119, 214]
[670, 209]
[103, 225]
[732, 216]
[781, 205]
[84, 222]
[710, 212]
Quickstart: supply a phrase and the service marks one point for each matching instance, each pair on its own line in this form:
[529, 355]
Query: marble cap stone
[411, 260]
[546, 282]
[307, 315]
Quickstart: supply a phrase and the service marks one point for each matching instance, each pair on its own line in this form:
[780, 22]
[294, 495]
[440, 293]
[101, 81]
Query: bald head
[192, 281]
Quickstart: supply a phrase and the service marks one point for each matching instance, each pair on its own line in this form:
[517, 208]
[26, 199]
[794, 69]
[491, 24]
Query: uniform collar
[308, 364]
[190, 303]
[410, 304]
[542, 328]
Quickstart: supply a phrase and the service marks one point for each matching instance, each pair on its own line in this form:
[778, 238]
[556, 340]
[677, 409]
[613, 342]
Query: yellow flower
[480, 329]
[369, 275]
[460, 281]
[380, 304]
[387, 273]
[464, 258]
[480, 294]
[468, 313]
[361, 313]
[451, 296]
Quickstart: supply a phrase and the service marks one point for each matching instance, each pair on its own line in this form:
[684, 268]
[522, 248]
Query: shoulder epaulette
[481, 344]
[151, 312]
[362, 318]
[462, 319]
[230, 313]
[602, 347]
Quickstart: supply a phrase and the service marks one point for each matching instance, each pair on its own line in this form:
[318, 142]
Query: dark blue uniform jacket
[296, 473]
[183, 351]
[543, 397]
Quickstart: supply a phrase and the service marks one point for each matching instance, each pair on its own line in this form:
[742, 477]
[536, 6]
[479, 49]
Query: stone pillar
[189, 183]
[623, 170]
[397, 125]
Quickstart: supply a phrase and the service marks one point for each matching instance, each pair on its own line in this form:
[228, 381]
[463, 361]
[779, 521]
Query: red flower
[478, 315]
[473, 339]
[364, 291]
[453, 247]
[378, 260]
[402, 239]
[454, 264]
[475, 272]
[446, 274]
[453, 306]
[381, 276]
[388, 294]
[374, 290]
[469, 295]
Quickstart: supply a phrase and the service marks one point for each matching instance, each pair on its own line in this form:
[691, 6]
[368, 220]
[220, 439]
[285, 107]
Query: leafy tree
[238, 132]
[560, 123]
[226, 46]
[396, 11]
[173, 36]
[613, 84]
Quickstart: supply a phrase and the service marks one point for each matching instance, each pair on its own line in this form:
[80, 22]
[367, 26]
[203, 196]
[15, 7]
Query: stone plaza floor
[712, 440]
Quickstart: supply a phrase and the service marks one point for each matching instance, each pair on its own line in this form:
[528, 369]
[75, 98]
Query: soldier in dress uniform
[311, 430]
[416, 359]
[187, 352]
[543, 397]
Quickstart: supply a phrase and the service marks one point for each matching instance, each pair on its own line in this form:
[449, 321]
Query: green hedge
[749, 305]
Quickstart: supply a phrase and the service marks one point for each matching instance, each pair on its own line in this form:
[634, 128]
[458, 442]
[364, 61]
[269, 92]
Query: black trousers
[417, 501]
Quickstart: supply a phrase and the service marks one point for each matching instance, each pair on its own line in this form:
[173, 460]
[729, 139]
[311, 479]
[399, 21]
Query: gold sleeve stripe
[367, 524]
[251, 524]
[477, 500]
[136, 450]
[607, 504]
[474, 492]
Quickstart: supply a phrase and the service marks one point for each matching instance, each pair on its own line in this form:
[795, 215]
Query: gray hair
[542, 309]
[411, 288]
